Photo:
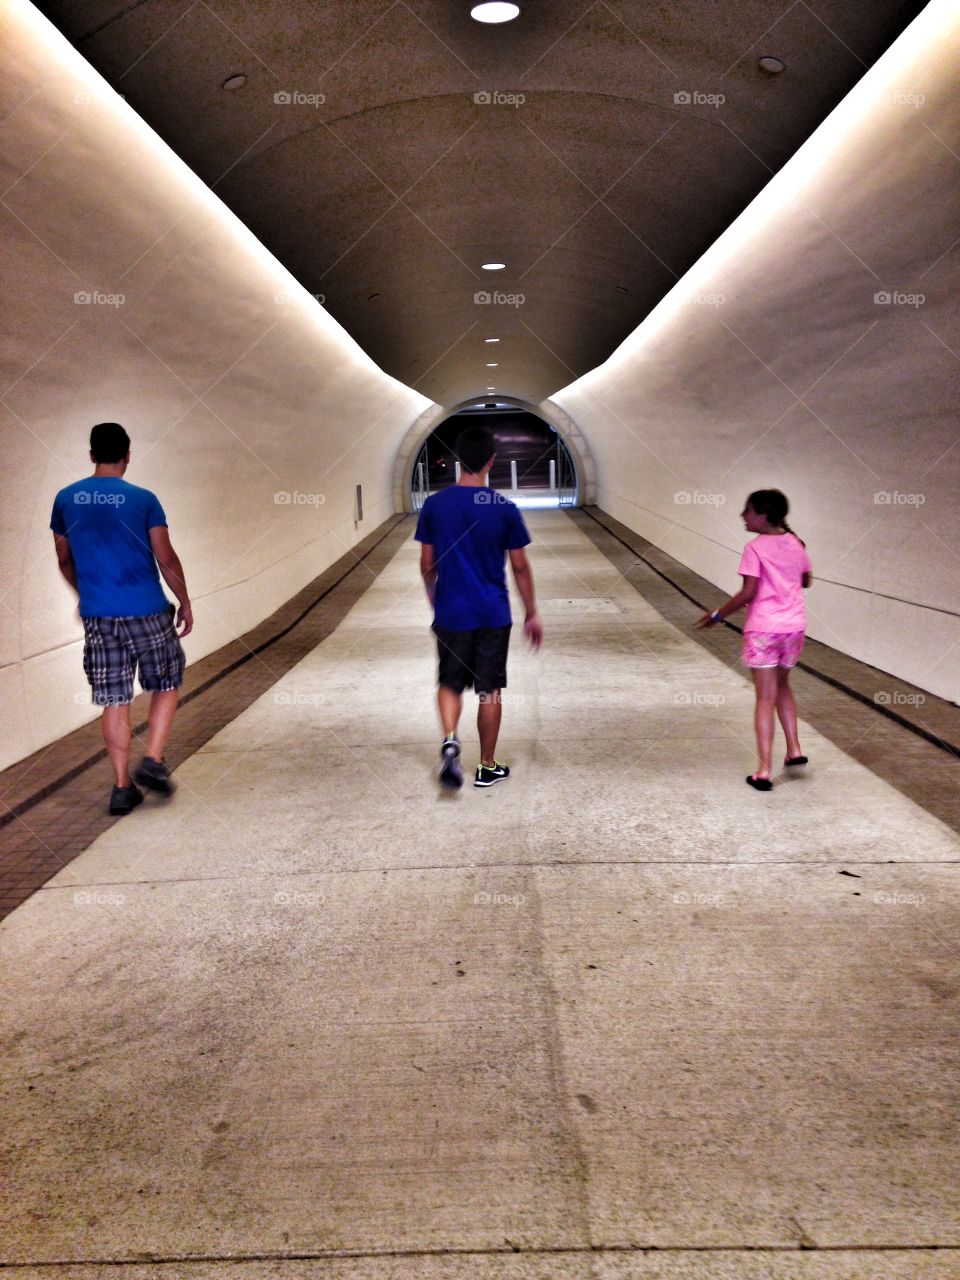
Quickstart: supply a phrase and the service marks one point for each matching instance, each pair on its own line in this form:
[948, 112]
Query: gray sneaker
[451, 773]
[155, 775]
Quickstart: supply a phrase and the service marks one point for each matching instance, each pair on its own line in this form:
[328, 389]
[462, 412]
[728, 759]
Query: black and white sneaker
[451, 774]
[487, 774]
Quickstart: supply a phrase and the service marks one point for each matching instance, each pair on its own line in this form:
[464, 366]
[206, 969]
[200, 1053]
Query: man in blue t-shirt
[465, 532]
[111, 539]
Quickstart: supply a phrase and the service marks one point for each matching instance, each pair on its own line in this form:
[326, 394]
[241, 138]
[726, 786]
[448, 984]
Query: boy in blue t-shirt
[465, 532]
[112, 544]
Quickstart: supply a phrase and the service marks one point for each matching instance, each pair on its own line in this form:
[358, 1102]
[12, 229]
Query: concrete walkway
[621, 1002]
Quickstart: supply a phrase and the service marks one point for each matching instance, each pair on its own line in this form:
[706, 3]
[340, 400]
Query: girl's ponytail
[786, 528]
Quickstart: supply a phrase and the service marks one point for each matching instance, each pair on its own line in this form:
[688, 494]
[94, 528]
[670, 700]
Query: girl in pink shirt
[775, 568]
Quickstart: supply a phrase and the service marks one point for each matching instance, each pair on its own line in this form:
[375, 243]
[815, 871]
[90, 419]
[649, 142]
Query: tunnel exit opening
[533, 466]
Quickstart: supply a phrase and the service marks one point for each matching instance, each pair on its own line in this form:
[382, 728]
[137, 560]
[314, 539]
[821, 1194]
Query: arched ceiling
[598, 190]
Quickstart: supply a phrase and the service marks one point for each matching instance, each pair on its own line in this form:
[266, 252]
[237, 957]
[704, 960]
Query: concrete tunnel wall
[771, 365]
[235, 385]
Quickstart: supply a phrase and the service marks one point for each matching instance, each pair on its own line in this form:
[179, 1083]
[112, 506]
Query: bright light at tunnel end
[494, 12]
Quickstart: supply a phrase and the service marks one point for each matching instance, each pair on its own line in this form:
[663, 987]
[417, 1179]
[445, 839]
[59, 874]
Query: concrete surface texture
[313, 1006]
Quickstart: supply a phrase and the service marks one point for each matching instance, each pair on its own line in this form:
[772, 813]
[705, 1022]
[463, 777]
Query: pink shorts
[772, 649]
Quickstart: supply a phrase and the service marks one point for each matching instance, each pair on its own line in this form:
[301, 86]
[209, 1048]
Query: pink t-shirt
[779, 560]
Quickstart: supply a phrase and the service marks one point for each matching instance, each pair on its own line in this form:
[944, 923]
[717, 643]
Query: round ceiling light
[493, 266]
[494, 11]
[771, 64]
[234, 82]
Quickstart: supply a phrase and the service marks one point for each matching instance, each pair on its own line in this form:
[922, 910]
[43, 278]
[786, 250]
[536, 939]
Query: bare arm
[168, 562]
[806, 580]
[523, 576]
[428, 571]
[65, 558]
[743, 596]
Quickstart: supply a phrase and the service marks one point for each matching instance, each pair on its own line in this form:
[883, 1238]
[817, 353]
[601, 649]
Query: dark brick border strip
[53, 809]
[918, 755]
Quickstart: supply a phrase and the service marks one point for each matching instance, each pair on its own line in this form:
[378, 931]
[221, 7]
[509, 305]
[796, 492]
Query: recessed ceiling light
[771, 64]
[622, 289]
[491, 339]
[491, 388]
[492, 364]
[494, 11]
[494, 266]
[234, 82]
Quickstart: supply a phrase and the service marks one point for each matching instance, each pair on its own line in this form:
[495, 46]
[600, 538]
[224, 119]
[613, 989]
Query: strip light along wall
[926, 36]
[128, 132]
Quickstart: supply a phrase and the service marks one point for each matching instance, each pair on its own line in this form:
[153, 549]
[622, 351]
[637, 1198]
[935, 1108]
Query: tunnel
[480, 640]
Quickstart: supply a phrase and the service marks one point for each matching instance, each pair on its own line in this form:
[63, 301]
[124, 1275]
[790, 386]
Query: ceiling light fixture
[492, 364]
[494, 266]
[234, 82]
[494, 11]
[771, 64]
[491, 339]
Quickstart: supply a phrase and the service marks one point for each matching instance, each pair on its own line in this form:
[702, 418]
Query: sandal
[759, 784]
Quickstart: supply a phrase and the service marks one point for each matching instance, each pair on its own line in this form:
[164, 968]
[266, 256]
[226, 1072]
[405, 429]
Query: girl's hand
[705, 620]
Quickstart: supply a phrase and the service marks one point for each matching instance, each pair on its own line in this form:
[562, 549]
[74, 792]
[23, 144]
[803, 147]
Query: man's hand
[533, 629]
[185, 619]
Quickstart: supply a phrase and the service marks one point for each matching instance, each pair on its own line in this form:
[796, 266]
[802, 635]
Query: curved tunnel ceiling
[597, 149]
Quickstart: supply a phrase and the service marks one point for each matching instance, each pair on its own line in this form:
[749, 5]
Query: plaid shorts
[114, 648]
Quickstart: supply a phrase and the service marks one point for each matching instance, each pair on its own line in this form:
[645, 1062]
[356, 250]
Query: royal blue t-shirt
[471, 529]
[107, 523]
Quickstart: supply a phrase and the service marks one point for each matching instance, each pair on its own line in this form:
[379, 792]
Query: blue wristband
[716, 616]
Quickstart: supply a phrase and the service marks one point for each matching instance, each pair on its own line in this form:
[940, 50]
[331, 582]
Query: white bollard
[513, 476]
[553, 474]
[456, 471]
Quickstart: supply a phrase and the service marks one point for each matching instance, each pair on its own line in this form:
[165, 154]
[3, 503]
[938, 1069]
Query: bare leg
[162, 707]
[488, 724]
[115, 725]
[765, 682]
[451, 704]
[787, 711]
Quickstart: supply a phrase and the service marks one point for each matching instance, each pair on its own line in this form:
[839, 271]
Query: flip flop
[759, 784]
[792, 760]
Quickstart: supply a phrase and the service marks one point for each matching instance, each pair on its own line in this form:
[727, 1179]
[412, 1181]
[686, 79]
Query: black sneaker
[451, 774]
[487, 775]
[123, 799]
[155, 775]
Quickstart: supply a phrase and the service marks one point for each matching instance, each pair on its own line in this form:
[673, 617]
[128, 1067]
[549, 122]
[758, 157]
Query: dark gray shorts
[473, 659]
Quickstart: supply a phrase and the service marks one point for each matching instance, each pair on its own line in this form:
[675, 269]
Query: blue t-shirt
[471, 529]
[107, 523]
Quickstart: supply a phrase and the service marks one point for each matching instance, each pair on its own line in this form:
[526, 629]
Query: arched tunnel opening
[533, 464]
